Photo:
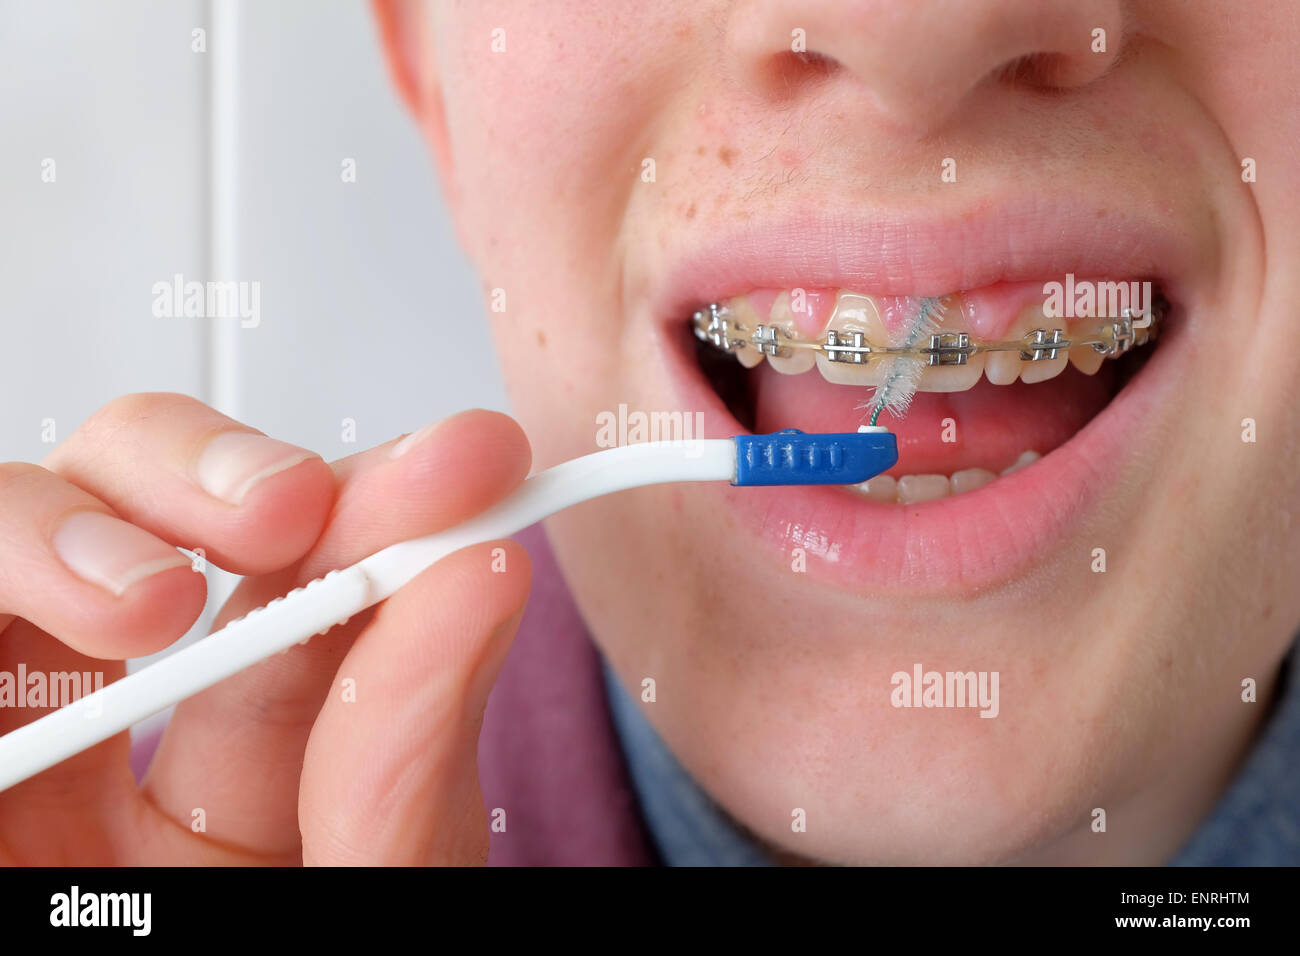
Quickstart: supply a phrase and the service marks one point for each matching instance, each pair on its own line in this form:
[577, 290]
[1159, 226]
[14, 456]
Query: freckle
[699, 151]
[541, 338]
[727, 155]
[690, 213]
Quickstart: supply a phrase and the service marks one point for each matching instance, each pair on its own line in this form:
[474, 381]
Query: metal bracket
[1042, 345]
[948, 348]
[766, 339]
[855, 352]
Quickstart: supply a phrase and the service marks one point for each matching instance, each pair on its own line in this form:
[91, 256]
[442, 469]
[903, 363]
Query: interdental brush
[788, 457]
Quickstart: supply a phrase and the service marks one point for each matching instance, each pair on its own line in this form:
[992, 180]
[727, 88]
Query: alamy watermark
[228, 299]
[624, 427]
[47, 688]
[1085, 299]
[74, 908]
[922, 688]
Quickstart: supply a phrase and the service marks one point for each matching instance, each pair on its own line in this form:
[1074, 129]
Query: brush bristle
[902, 376]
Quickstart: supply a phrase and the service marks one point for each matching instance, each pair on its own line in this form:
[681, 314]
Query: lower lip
[950, 546]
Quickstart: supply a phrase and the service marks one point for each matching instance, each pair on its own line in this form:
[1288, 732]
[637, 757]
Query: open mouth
[1015, 454]
[1000, 381]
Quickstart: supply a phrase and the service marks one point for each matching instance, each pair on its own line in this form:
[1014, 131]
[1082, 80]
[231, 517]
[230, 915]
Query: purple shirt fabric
[548, 754]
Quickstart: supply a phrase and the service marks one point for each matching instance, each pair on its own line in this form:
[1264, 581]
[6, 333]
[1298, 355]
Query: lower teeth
[913, 489]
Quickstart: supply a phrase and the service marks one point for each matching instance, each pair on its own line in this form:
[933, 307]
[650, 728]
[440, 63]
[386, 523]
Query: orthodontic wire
[1114, 337]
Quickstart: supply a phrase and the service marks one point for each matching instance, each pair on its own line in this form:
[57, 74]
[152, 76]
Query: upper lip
[892, 252]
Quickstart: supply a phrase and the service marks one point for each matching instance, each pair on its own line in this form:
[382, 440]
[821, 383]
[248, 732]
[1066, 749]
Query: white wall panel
[369, 310]
[112, 93]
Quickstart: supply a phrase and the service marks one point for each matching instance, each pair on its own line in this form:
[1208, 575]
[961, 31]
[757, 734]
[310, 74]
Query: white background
[369, 311]
[224, 165]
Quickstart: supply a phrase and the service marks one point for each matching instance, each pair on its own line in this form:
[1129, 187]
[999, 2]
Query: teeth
[1086, 359]
[1026, 458]
[745, 314]
[858, 314]
[854, 313]
[970, 479]
[861, 313]
[799, 360]
[1004, 368]
[1043, 369]
[914, 489]
[881, 488]
[954, 378]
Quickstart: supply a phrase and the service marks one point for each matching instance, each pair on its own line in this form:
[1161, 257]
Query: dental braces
[717, 325]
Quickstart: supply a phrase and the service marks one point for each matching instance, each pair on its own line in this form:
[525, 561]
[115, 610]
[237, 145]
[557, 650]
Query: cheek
[546, 135]
[544, 106]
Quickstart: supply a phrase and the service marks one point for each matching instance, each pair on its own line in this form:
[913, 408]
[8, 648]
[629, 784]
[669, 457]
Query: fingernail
[413, 439]
[110, 552]
[234, 462]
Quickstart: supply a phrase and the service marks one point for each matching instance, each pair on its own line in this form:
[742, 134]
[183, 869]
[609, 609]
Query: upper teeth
[856, 334]
[781, 322]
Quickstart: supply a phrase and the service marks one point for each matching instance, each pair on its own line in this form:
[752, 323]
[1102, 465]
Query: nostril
[816, 62]
[1021, 71]
[789, 72]
[1050, 72]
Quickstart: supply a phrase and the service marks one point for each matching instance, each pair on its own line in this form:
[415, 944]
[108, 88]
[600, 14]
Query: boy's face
[616, 166]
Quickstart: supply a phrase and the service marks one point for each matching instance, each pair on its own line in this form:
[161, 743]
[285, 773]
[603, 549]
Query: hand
[358, 747]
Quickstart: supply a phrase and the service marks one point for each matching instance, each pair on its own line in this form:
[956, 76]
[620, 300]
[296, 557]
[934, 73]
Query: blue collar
[1256, 822]
[686, 826]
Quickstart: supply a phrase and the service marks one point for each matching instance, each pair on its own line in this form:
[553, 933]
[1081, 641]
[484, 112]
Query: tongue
[988, 426]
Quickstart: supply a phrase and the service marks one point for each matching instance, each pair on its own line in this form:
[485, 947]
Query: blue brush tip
[791, 457]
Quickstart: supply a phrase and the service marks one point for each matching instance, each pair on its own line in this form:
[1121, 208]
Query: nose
[920, 60]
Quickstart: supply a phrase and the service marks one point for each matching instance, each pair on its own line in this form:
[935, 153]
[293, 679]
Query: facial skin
[1119, 690]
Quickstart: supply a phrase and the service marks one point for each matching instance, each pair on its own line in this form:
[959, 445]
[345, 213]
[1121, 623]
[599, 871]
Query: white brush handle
[325, 602]
[260, 633]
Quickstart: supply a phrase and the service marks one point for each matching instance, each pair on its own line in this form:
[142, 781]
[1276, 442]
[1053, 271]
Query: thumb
[390, 774]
